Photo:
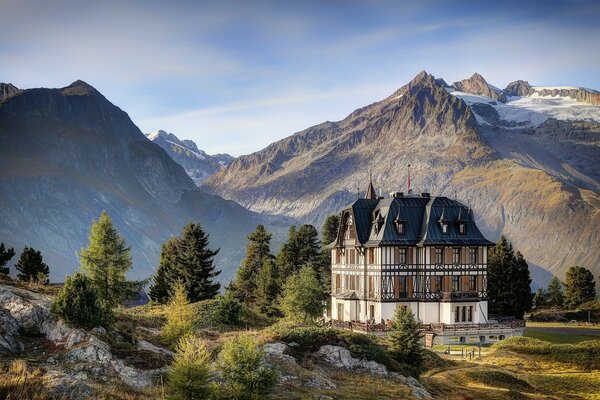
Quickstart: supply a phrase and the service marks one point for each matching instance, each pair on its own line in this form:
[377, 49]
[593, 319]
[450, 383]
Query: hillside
[197, 164]
[68, 154]
[528, 167]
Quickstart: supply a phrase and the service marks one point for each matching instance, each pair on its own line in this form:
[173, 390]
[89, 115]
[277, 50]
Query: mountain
[197, 164]
[68, 154]
[528, 167]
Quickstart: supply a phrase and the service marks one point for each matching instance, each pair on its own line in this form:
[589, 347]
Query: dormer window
[444, 228]
[400, 227]
[348, 228]
[462, 228]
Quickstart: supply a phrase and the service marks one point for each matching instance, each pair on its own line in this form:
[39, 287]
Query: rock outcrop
[476, 84]
[340, 357]
[7, 90]
[518, 88]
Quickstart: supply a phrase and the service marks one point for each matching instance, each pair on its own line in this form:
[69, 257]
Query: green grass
[559, 338]
[534, 324]
[500, 379]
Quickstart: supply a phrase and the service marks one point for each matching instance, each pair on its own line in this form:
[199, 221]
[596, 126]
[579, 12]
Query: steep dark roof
[375, 221]
[371, 195]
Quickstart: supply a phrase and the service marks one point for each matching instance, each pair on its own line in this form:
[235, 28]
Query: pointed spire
[371, 194]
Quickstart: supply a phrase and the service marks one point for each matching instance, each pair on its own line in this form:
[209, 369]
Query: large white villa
[414, 251]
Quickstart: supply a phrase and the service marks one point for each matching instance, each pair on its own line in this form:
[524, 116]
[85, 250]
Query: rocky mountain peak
[7, 90]
[518, 88]
[477, 84]
[79, 88]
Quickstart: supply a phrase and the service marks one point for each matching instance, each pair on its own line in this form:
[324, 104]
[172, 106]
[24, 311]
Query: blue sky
[236, 76]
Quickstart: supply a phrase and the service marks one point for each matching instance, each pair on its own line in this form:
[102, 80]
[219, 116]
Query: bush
[189, 374]
[585, 354]
[77, 302]
[500, 379]
[242, 366]
[228, 310]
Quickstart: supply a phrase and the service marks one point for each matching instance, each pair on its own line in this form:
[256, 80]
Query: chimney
[426, 195]
[396, 194]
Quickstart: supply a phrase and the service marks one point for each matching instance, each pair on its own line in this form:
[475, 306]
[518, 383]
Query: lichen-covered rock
[136, 378]
[341, 357]
[147, 346]
[277, 351]
[414, 385]
[72, 386]
[93, 350]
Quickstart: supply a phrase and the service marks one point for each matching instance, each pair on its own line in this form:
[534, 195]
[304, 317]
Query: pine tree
[520, 287]
[500, 260]
[5, 256]
[189, 374]
[555, 294]
[166, 273]
[31, 267]
[302, 248]
[77, 302]
[580, 287]
[541, 298]
[288, 255]
[258, 252]
[303, 295]
[267, 287]
[106, 261]
[309, 246]
[328, 234]
[405, 339]
[228, 309]
[179, 315]
[194, 264]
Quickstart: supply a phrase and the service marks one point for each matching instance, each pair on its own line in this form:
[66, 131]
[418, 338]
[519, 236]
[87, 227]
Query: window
[456, 314]
[482, 339]
[402, 283]
[456, 255]
[456, 283]
[464, 313]
[473, 255]
[439, 283]
[444, 227]
[472, 283]
[401, 256]
[371, 256]
[439, 255]
[470, 314]
[348, 230]
[400, 227]
[372, 312]
[462, 228]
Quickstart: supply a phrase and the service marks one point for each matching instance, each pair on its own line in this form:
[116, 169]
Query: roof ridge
[426, 221]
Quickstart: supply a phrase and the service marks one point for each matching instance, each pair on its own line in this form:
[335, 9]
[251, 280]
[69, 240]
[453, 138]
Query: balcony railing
[470, 295]
[441, 328]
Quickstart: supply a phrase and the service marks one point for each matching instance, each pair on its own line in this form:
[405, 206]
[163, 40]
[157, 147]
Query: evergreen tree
[580, 287]
[309, 247]
[194, 264]
[302, 248]
[189, 375]
[258, 252]
[520, 287]
[554, 293]
[242, 366]
[330, 229]
[5, 256]
[541, 298]
[77, 302]
[179, 315]
[166, 273]
[228, 309]
[509, 282]
[267, 287]
[405, 339]
[288, 255]
[303, 295]
[31, 267]
[106, 261]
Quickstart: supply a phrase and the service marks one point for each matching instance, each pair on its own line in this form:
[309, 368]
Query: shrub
[77, 302]
[500, 379]
[189, 374]
[228, 310]
[242, 366]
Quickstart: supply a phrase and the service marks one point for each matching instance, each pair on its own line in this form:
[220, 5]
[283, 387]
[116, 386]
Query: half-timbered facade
[414, 251]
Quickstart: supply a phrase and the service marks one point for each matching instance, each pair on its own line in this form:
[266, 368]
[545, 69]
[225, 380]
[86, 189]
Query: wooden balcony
[463, 296]
[441, 328]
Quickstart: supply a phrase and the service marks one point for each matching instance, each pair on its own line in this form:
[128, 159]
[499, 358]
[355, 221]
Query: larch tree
[195, 264]
[179, 315]
[5, 257]
[31, 266]
[580, 287]
[554, 293]
[105, 261]
[303, 295]
[166, 273]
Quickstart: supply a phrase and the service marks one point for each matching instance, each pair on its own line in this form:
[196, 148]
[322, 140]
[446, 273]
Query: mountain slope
[69, 153]
[537, 183]
[197, 164]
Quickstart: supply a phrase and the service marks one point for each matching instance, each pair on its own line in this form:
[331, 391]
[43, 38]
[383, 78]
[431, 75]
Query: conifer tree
[267, 287]
[330, 229]
[5, 256]
[194, 264]
[520, 287]
[77, 302]
[580, 287]
[189, 374]
[555, 294]
[302, 248]
[228, 309]
[166, 273]
[303, 295]
[105, 261]
[258, 252]
[288, 255]
[405, 339]
[179, 315]
[328, 234]
[31, 266]
[541, 298]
